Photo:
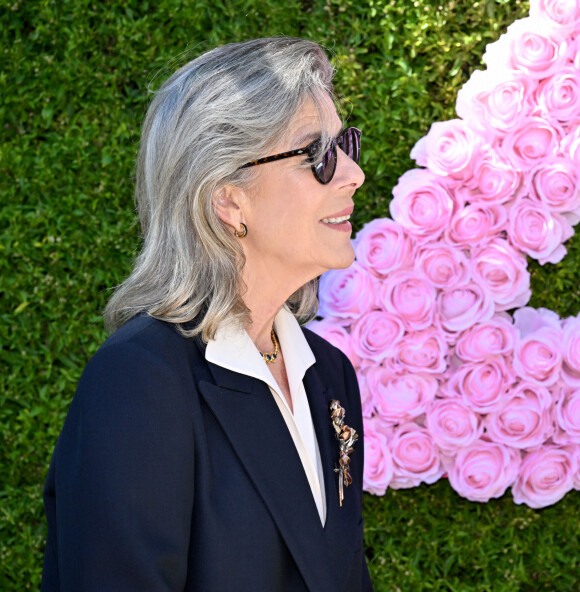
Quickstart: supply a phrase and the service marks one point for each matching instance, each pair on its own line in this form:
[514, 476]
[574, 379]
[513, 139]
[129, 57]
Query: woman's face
[289, 214]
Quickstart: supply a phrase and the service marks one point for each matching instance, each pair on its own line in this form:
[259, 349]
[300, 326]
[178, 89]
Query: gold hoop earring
[242, 232]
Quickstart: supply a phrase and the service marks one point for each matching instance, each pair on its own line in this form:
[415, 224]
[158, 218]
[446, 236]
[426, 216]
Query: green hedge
[73, 83]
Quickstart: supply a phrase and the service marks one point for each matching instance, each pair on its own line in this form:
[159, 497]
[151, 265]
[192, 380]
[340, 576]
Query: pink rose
[422, 204]
[334, 332]
[400, 398]
[495, 101]
[484, 340]
[495, 180]
[453, 425]
[531, 144]
[378, 467]
[526, 49]
[476, 223]
[415, 457]
[346, 293]
[546, 475]
[533, 230]
[559, 17]
[375, 336]
[503, 272]
[523, 419]
[483, 471]
[570, 145]
[559, 95]
[482, 386]
[422, 351]
[382, 246]
[557, 185]
[406, 294]
[538, 356]
[568, 417]
[449, 148]
[460, 308]
[571, 351]
[443, 265]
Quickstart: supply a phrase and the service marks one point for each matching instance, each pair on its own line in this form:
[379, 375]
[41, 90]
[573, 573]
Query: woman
[200, 450]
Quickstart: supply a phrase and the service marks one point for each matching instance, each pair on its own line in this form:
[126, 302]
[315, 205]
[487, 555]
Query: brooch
[347, 438]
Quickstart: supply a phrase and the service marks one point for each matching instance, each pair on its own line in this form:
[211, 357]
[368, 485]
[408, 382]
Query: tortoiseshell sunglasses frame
[310, 150]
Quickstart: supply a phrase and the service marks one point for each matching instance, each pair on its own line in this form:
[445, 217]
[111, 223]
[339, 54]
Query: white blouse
[233, 349]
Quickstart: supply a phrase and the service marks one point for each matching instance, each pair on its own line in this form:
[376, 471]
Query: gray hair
[224, 109]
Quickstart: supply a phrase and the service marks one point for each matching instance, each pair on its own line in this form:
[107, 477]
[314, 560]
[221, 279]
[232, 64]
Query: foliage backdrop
[74, 76]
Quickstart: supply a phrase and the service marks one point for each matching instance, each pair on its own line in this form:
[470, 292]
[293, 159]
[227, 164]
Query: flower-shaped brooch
[347, 438]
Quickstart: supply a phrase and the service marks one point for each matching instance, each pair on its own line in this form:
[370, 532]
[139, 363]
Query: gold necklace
[271, 357]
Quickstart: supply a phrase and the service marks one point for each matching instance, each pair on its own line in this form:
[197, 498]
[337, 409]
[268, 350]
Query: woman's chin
[342, 259]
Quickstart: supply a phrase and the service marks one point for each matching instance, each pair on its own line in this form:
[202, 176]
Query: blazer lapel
[251, 420]
[341, 524]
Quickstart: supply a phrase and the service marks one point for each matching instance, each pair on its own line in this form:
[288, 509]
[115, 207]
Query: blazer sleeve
[355, 405]
[120, 489]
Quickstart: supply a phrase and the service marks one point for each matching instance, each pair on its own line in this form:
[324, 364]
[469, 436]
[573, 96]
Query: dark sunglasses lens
[324, 170]
[349, 143]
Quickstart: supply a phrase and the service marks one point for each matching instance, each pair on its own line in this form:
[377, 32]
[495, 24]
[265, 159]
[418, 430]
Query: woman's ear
[227, 201]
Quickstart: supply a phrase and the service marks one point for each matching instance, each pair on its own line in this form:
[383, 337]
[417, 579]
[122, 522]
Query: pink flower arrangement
[450, 382]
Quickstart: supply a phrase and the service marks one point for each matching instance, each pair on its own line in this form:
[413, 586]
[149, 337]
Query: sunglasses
[348, 141]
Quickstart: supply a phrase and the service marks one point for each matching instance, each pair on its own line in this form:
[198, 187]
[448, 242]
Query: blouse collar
[233, 349]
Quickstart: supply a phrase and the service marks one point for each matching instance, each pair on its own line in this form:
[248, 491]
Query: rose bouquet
[450, 382]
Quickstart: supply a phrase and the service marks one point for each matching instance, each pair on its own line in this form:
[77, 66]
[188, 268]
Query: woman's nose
[348, 172]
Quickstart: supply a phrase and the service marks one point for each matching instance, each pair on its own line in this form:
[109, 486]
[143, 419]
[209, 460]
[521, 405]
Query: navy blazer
[172, 473]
